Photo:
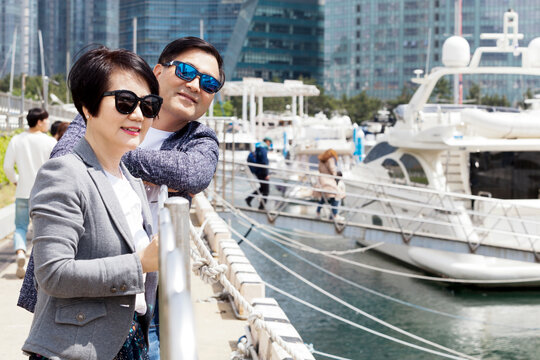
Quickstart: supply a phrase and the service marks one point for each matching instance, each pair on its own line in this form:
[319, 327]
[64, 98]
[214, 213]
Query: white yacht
[466, 175]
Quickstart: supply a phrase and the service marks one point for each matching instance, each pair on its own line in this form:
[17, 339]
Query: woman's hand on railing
[149, 256]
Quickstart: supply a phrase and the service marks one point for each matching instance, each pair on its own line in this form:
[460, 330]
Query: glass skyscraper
[376, 45]
[262, 38]
[20, 16]
[284, 41]
[160, 22]
[68, 26]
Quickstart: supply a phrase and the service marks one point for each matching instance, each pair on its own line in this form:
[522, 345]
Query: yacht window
[378, 151]
[505, 175]
[394, 171]
[414, 169]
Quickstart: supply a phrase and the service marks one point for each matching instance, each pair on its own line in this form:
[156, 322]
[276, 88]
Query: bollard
[177, 329]
[179, 211]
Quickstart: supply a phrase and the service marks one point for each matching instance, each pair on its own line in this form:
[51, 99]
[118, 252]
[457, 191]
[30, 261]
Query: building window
[358, 21]
[358, 8]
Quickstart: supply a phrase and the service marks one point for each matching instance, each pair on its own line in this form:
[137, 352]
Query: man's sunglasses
[188, 72]
[126, 101]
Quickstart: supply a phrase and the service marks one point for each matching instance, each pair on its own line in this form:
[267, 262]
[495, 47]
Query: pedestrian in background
[28, 151]
[262, 173]
[327, 166]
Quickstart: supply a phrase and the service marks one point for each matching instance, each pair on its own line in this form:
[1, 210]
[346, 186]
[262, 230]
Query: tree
[442, 91]
[34, 86]
[361, 107]
[474, 94]
[224, 108]
[403, 98]
[491, 100]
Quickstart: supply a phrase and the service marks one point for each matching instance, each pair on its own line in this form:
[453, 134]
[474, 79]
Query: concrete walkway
[16, 321]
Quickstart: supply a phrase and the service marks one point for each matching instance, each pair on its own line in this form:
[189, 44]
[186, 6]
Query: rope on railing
[217, 271]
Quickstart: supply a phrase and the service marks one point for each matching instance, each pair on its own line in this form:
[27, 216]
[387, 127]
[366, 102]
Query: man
[261, 157]
[28, 151]
[177, 151]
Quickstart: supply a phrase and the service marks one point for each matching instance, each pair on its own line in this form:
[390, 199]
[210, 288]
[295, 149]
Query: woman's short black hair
[178, 46]
[90, 75]
[34, 115]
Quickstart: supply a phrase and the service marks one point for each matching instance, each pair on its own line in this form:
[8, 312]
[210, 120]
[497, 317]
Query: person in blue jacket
[262, 173]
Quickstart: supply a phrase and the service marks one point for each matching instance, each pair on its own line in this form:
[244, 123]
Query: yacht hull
[488, 270]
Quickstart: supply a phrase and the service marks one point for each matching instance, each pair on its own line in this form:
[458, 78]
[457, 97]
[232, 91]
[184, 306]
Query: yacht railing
[177, 330]
[405, 209]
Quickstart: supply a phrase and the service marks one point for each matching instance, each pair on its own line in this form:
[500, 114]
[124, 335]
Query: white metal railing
[13, 112]
[408, 210]
[177, 329]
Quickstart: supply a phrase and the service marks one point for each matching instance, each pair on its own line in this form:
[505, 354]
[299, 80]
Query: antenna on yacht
[509, 39]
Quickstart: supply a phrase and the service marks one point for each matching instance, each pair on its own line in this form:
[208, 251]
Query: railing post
[179, 209]
[177, 330]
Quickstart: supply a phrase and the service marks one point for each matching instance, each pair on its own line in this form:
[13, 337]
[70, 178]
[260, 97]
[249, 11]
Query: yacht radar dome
[456, 52]
[533, 52]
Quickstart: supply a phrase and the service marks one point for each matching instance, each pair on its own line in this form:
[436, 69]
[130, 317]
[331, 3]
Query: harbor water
[485, 324]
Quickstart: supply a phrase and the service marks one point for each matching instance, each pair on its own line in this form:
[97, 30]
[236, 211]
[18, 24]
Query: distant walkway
[16, 321]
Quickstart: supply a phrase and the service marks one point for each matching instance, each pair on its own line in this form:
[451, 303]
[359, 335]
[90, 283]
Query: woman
[94, 262]
[327, 166]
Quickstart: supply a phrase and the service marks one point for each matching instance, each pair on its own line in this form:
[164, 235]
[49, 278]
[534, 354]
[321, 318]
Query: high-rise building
[284, 41]
[69, 26]
[20, 17]
[375, 45]
[256, 38]
[159, 22]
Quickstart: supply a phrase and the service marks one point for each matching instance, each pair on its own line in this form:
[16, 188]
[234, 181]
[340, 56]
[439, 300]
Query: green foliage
[475, 97]
[403, 98]
[442, 92]
[527, 95]
[225, 108]
[4, 141]
[361, 107]
[34, 86]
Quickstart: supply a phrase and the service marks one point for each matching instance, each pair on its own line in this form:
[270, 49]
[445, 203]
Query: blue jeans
[332, 201]
[22, 219]
[153, 336]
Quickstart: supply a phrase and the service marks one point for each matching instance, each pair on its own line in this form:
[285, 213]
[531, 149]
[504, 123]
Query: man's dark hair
[34, 115]
[178, 46]
[54, 127]
[90, 75]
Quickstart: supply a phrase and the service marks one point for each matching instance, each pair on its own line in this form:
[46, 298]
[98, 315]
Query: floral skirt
[134, 347]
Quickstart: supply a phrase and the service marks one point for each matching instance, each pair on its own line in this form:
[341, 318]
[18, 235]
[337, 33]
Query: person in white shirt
[28, 151]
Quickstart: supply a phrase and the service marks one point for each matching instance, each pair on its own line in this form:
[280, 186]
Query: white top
[28, 151]
[153, 141]
[132, 209]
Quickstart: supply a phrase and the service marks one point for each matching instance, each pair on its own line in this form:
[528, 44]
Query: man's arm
[71, 137]
[188, 171]
[9, 164]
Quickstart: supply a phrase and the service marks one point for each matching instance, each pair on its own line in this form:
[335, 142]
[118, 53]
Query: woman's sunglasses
[188, 72]
[126, 101]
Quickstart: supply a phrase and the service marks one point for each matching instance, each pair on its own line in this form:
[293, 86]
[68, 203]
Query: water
[486, 324]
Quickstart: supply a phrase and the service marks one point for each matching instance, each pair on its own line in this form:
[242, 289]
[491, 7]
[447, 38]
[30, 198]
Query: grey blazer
[86, 268]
